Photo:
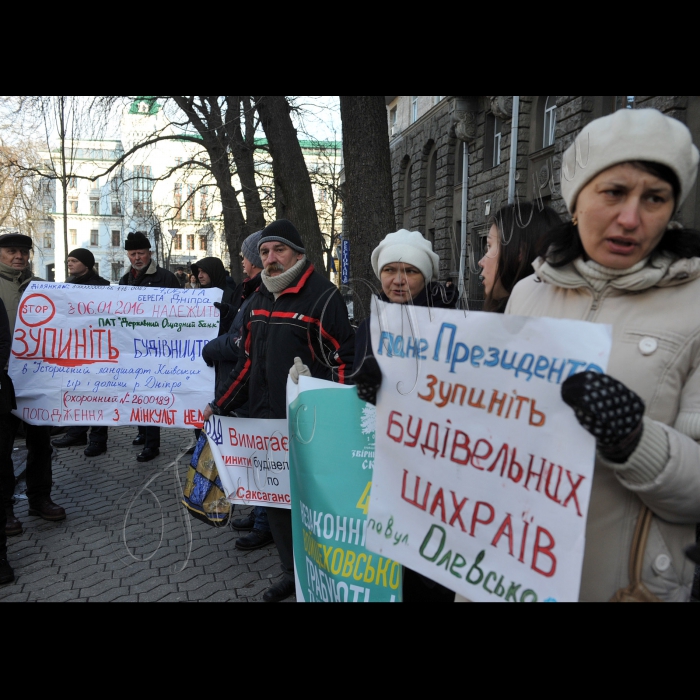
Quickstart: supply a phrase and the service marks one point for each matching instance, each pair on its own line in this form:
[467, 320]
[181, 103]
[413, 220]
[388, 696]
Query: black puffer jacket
[153, 276]
[308, 320]
[89, 279]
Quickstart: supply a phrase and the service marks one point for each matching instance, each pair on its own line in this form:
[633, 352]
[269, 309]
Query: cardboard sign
[483, 474]
[332, 450]
[113, 355]
[252, 458]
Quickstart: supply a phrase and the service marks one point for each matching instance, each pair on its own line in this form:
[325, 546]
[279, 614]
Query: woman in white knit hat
[623, 261]
[408, 270]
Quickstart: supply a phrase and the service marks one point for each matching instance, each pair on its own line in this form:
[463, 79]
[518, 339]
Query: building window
[394, 121]
[48, 240]
[117, 271]
[73, 237]
[550, 121]
[73, 206]
[94, 238]
[116, 239]
[203, 243]
[190, 241]
[72, 183]
[492, 141]
[94, 206]
[143, 191]
[408, 197]
[414, 109]
[177, 200]
[460, 163]
[432, 174]
[204, 204]
[116, 209]
[189, 214]
[177, 241]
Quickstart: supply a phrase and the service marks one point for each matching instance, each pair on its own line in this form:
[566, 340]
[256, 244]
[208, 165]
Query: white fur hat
[629, 135]
[410, 248]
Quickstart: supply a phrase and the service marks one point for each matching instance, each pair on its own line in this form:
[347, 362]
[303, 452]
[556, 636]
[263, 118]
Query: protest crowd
[620, 260]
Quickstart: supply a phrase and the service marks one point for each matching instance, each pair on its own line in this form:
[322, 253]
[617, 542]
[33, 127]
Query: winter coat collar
[150, 270]
[296, 285]
[659, 271]
[16, 276]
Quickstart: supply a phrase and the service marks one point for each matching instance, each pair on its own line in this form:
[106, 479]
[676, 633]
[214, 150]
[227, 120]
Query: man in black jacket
[296, 314]
[145, 272]
[81, 266]
[224, 353]
[6, 405]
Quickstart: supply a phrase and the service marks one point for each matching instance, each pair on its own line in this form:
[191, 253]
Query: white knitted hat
[629, 135]
[410, 248]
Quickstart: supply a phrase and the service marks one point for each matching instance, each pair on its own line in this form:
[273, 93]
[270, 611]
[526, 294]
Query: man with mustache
[296, 320]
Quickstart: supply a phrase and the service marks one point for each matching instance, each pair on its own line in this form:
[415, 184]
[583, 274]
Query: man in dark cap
[145, 272]
[296, 319]
[81, 267]
[15, 276]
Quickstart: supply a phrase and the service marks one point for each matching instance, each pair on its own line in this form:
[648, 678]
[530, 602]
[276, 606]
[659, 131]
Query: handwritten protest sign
[252, 458]
[113, 355]
[332, 449]
[483, 474]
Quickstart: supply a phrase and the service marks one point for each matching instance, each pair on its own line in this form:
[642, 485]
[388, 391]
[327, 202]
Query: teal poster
[332, 449]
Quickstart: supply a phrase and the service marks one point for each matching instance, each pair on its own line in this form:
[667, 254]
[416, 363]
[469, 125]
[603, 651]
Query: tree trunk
[294, 194]
[369, 200]
[64, 182]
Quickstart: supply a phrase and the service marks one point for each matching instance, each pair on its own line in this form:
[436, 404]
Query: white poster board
[252, 458]
[483, 475]
[113, 355]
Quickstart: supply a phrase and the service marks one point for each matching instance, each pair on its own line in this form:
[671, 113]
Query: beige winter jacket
[655, 315]
[12, 286]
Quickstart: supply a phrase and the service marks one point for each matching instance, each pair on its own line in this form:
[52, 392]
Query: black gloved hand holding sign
[608, 410]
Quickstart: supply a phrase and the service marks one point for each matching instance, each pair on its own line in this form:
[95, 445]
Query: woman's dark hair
[562, 245]
[520, 228]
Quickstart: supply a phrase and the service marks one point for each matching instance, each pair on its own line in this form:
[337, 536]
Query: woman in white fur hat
[408, 270]
[623, 261]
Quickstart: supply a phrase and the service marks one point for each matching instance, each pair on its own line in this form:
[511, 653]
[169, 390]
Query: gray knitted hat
[251, 249]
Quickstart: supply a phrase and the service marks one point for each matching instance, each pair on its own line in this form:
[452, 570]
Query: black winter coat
[7, 393]
[5, 337]
[308, 320]
[224, 351]
[154, 276]
[89, 279]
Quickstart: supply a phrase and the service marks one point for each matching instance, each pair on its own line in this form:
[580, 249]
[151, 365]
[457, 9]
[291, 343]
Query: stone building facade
[428, 137]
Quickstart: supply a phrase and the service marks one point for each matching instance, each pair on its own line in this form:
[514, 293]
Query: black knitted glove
[694, 553]
[608, 410]
[368, 380]
[224, 309]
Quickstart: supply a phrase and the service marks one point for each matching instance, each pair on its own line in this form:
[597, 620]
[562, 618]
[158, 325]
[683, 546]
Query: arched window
[432, 174]
[408, 187]
[550, 121]
[460, 163]
[407, 196]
